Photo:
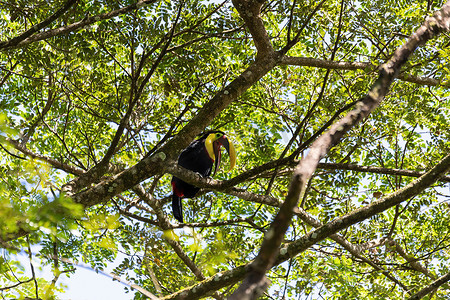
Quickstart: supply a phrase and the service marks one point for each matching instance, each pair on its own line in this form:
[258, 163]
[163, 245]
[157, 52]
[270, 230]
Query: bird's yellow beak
[213, 143]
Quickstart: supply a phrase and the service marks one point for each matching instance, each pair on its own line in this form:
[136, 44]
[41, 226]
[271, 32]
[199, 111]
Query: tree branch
[15, 285]
[158, 162]
[291, 42]
[356, 168]
[135, 94]
[430, 288]
[411, 260]
[53, 162]
[304, 170]
[346, 65]
[226, 278]
[77, 25]
[40, 117]
[377, 170]
[165, 225]
[20, 38]
[250, 12]
[354, 250]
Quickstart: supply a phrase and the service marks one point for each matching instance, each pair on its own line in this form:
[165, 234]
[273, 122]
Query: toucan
[199, 157]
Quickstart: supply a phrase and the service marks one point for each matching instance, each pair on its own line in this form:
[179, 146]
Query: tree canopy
[339, 112]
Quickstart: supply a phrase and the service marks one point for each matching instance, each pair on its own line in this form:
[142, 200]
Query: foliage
[103, 95]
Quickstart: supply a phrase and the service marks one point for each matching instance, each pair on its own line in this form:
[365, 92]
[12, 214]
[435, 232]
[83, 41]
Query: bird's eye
[218, 134]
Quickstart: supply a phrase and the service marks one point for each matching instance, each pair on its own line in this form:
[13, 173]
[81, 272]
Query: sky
[85, 284]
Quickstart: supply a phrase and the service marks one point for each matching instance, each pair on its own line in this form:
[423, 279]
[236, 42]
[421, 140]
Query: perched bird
[199, 157]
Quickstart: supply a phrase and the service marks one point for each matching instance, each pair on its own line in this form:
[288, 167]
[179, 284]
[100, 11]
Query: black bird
[199, 157]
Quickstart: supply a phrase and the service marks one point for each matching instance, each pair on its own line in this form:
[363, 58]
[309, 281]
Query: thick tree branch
[158, 162]
[226, 278]
[250, 12]
[303, 172]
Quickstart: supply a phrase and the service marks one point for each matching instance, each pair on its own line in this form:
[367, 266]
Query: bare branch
[347, 65]
[377, 170]
[250, 11]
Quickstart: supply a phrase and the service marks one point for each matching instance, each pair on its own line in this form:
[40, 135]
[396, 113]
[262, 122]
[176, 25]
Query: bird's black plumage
[195, 158]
